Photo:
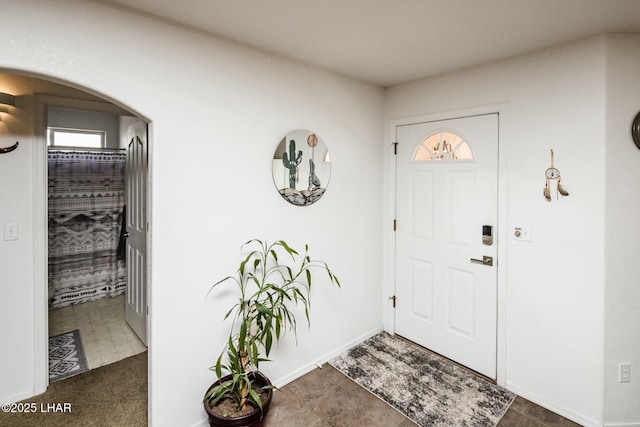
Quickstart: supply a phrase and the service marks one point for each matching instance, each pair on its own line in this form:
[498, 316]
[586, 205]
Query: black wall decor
[635, 130]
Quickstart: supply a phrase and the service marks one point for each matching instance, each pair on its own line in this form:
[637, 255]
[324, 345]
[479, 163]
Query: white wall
[554, 285]
[217, 111]
[16, 267]
[622, 325]
[18, 173]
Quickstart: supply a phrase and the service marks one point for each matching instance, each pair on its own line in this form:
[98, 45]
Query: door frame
[40, 227]
[389, 249]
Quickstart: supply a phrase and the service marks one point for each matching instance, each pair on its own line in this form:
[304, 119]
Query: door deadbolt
[487, 235]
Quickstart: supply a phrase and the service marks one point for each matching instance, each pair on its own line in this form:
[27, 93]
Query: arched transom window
[443, 145]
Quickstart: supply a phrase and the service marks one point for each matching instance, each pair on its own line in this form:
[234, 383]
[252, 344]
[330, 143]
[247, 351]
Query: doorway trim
[40, 227]
[389, 288]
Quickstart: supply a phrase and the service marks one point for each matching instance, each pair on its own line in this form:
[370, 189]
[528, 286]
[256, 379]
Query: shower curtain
[86, 200]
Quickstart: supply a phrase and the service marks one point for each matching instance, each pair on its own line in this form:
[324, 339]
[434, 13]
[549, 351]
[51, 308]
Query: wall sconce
[7, 99]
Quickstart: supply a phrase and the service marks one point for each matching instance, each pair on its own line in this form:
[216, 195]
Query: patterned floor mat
[66, 356]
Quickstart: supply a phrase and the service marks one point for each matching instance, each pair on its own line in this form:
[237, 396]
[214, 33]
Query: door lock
[486, 260]
[487, 235]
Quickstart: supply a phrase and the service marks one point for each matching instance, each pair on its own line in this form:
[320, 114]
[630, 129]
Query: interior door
[446, 278]
[136, 197]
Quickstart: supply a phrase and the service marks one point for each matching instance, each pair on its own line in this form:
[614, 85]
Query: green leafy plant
[270, 287]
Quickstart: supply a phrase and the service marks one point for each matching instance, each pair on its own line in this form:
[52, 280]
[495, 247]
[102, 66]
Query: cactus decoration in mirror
[301, 167]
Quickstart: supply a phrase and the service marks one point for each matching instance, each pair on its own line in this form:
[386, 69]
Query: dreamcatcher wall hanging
[552, 174]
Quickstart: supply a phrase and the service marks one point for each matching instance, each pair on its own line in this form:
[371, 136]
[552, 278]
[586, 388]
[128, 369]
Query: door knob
[486, 260]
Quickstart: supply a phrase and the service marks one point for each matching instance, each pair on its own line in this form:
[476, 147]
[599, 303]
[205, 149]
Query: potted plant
[272, 279]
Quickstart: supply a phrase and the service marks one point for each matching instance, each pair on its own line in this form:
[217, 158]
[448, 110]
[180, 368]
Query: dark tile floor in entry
[326, 398]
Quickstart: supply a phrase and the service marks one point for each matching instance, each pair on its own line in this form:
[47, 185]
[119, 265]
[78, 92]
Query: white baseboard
[632, 424]
[202, 423]
[281, 382]
[567, 413]
[20, 396]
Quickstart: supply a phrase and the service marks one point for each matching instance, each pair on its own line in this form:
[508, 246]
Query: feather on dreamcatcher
[551, 174]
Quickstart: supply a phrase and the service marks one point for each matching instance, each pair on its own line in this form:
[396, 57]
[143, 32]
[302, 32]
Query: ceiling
[387, 42]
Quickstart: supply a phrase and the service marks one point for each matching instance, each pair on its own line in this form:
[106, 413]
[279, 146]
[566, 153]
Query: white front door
[446, 199]
[136, 196]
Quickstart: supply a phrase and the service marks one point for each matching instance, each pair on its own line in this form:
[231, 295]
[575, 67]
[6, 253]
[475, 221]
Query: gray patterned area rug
[66, 356]
[425, 387]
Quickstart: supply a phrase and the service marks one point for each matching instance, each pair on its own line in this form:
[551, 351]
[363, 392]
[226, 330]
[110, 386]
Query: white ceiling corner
[388, 42]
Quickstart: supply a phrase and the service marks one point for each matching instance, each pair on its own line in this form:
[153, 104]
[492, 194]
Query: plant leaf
[232, 349]
[278, 321]
[268, 341]
[264, 309]
[242, 336]
[219, 366]
[255, 397]
[287, 248]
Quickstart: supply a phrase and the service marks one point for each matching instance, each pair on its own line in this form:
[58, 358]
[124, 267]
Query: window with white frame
[80, 138]
[443, 146]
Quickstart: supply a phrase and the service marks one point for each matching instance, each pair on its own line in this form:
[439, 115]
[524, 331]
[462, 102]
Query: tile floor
[106, 336]
[322, 398]
[327, 398]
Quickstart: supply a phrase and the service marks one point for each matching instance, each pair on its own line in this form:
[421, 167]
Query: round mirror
[301, 167]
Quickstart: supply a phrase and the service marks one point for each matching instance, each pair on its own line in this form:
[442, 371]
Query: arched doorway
[27, 121]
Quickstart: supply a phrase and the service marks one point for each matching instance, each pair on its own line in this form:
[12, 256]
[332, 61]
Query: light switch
[11, 232]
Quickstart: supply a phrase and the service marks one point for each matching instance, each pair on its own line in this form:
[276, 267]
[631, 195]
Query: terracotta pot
[250, 420]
